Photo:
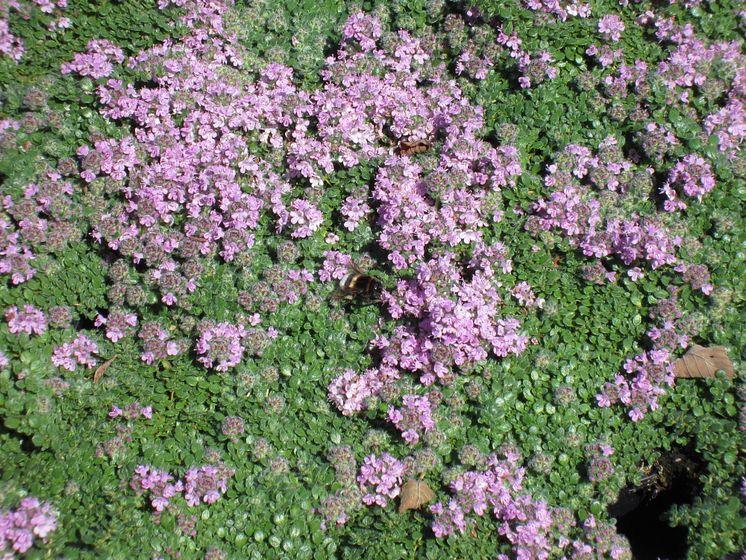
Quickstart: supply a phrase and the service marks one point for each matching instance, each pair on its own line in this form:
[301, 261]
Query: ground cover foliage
[550, 195]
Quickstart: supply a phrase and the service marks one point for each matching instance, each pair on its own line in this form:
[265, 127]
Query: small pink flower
[635, 273]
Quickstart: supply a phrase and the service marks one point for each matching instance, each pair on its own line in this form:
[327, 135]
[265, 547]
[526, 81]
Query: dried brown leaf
[100, 370]
[414, 495]
[701, 362]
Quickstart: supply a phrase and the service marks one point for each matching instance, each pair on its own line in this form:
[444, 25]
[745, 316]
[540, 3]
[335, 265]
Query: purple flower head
[350, 391]
[691, 175]
[19, 527]
[78, 352]
[157, 483]
[232, 427]
[305, 217]
[611, 27]
[220, 346]
[380, 479]
[157, 343]
[97, 62]
[364, 29]
[29, 321]
[413, 417]
[206, 484]
[118, 324]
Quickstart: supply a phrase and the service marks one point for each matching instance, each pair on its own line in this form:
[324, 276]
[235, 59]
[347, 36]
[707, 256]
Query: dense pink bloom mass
[575, 209]
[78, 352]
[220, 346]
[380, 479]
[350, 391]
[97, 62]
[692, 176]
[450, 310]
[414, 417]
[611, 27]
[19, 527]
[204, 484]
[44, 220]
[30, 320]
[534, 530]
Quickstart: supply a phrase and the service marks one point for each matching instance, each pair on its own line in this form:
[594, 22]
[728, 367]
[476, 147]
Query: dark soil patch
[641, 512]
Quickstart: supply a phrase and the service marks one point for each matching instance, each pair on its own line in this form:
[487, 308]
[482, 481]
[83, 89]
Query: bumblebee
[358, 285]
[407, 148]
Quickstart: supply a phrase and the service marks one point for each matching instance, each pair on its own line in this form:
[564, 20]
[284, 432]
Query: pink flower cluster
[131, 411]
[533, 529]
[363, 29]
[336, 265]
[380, 479]
[157, 483]
[524, 293]
[305, 217]
[43, 221]
[600, 540]
[692, 65]
[157, 343]
[219, 345]
[78, 352]
[118, 324]
[652, 370]
[19, 527]
[30, 321]
[459, 325]
[478, 491]
[729, 125]
[350, 392]
[354, 209]
[10, 45]
[97, 61]
[599, 466]
[277, 285]
[561, 9]
[535, 68]
[611, 27]
[606, 56]
[204, 484]
[577, 212]
[469, 63]
[414, 416]
[691, 175]
[697, 275]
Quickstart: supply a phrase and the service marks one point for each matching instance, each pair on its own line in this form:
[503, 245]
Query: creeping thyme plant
[549, 195]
